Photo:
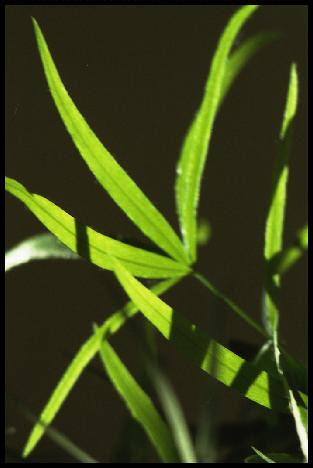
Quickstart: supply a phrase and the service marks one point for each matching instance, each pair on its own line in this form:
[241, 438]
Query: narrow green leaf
[301, 423]
[54, 434]
[209, 355]
[195, 146]
[282, 261]
[303, 237]
[90, 244]
[126, 194]
[138, 403]
[240, 57]
[275, 457]
[83, 357]
[39, 247]
[263, 456]
[275, 217]
[174, 415]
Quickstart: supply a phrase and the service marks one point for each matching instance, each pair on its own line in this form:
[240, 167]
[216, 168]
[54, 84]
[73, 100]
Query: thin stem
[230, 303]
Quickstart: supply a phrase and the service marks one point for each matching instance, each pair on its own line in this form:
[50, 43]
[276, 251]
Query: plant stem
[230, 303]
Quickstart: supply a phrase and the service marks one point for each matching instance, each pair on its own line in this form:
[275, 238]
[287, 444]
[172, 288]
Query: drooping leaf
[82, 358]
[124, 191]
[275, 217]
[195, 146]
[138, 403]
[90, 244]
[209, 355]
[39, 247]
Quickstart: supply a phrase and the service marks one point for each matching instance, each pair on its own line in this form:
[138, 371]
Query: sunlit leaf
[39, 247]
[82, 358]
[90, 244]
[195, 146]
[126, 194]
[209, 355]
[276, 214]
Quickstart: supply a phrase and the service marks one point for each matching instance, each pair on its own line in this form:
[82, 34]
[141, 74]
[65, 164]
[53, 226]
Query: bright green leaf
[126, 194]
[39, 247]
[210, 356]
[83, 357]
[138, 403]
[275, 217]
[282, 261]
[240, 57]
[195, 146]
[90, 244]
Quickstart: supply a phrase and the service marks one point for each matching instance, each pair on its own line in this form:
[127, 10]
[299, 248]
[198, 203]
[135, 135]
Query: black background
[137, 74]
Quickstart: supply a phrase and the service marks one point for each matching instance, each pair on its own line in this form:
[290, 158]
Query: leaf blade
[122, 189]
[196, 143]
[139, 403]
[276, 213]
[231, 369]
[77, 365]
[38, 247]
[94, 246]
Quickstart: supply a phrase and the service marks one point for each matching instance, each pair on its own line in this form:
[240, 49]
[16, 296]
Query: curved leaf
[126, 194]
[82, 358]
[39, 247]
[195, 147]
[90, 244]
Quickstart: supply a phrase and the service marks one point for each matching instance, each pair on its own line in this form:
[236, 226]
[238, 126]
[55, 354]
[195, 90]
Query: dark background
[137, 74]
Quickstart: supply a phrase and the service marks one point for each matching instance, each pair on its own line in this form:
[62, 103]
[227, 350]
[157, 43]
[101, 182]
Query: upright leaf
[175, 416]
[126, 194]
[210, 356]
[90, 244]
[276, 214]
[195, 147]
[82, 358]
[139, 403]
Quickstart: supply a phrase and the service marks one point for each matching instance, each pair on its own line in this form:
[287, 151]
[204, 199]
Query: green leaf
[301, 423]
[54, 434]
[195, 146]
[126, 194]
[276, 214]
[263, 456]
[271, 458]
[240, 57]
[90, 244]
[303, 237]
[209, 355]
[39, 247]
[282, 261]
[138, 403]
[83, 357]
[175, 416]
